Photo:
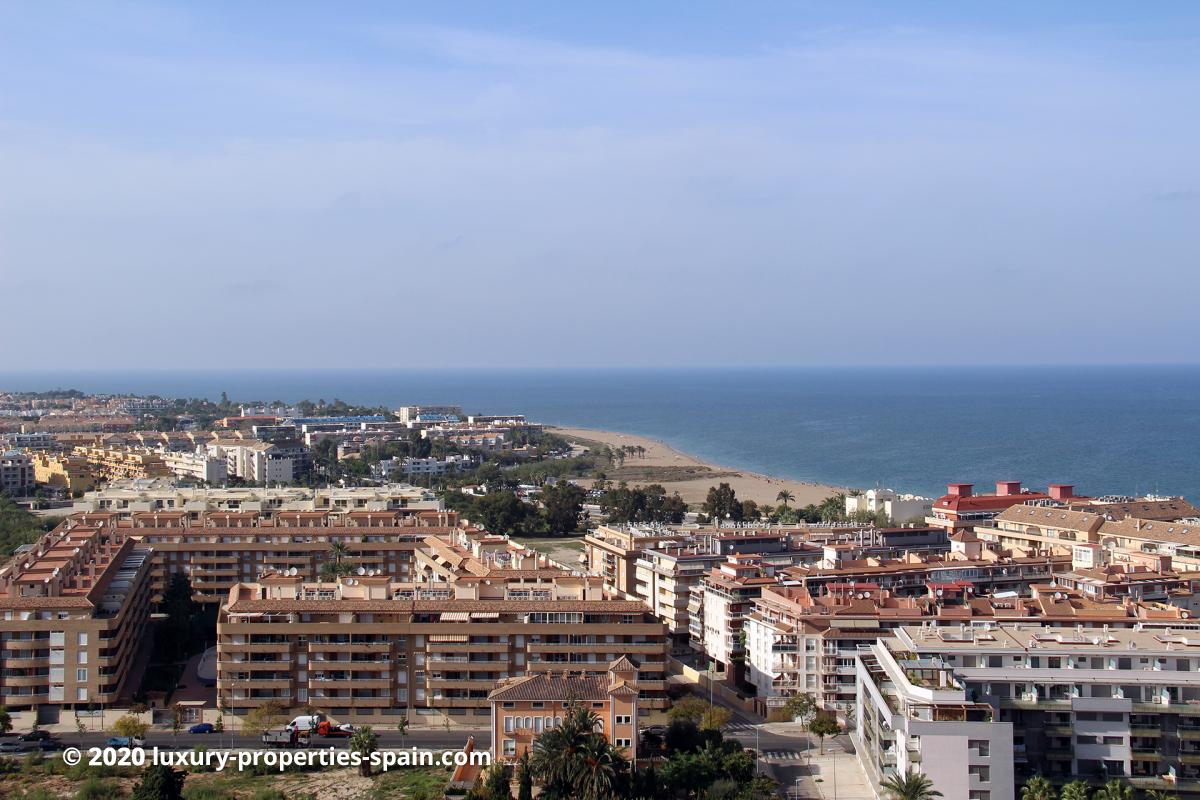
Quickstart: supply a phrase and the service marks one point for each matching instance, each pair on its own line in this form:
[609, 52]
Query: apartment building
[196, 465]
[367, 648]
[800, 642]
[523, 708]
[896, 507]
[16, 474]
[111, 463]
[126, 498]
[260, 462]
[72, 474]
[914, 714]
[1089, 703]
[1096, 539]
[724, 598]
[28, 441]
[223, 548]
[74, 605]
[961, 509]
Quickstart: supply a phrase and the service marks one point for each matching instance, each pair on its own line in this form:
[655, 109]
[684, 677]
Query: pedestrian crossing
[780, 755]
[738, 727]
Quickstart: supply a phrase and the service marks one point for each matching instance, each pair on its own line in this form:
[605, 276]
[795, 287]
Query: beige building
[74, 605]
[73, 474]
[111, 463]
[367, 648]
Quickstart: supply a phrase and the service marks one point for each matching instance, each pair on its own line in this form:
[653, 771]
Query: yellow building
[71, 473]
[116, 462]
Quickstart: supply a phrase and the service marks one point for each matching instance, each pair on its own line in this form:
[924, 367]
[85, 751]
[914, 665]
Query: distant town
[261, 574]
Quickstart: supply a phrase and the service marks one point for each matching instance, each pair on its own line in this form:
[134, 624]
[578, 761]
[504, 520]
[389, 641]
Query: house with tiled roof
[523, 708]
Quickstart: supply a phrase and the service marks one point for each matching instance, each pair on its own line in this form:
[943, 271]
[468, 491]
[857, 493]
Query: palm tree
[599, 764]
[364, 742]
[1115, 789]
[785, 497]
[909, 786]
[1038, 788]
[1075, 790]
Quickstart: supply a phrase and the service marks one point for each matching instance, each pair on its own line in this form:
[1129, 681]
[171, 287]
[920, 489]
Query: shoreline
[690, 476]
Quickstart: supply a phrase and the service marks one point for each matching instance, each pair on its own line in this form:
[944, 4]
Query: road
[424, 738]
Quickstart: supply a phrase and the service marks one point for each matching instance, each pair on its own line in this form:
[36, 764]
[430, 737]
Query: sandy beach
[691, 477]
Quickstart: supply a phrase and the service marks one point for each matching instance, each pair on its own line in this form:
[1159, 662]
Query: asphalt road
[388, 739]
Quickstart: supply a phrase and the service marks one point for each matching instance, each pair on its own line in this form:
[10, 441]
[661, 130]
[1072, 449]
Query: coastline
[691, 477]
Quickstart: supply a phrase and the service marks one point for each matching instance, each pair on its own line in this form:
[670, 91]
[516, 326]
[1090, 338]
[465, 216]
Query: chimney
[959, 489]
[1062, 491]
[1007, 488]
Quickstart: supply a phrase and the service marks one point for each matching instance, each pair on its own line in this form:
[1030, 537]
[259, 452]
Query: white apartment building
[913, 713]
[898, 508]
[198, 465]
[29, 441]
[254, 461]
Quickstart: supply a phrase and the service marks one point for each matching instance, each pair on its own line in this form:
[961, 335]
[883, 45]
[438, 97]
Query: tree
[563, 504]
[495, 785]
[688, 709]
[524, 778]
[1115, 789]
[801, 706]
[159, 782]
[264, 717]
[722, 503]
[402, 727]
[575, 760]
[6, 724]
[1075, 790]
[599, 766]
[364, 742]
[1037, 788]
[909, 786]
[1153, 794]
[130, 727]
[823, 725]
[715, 718]
[785, 497]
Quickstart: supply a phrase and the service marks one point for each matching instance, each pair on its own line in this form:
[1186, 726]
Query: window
[1114, 740]
[981, 746]
[508, 724]
[510, 747]
[980, 794]
[1085, 740]
[622, 743]
[624, 720]
[81, 676]
[981, 772]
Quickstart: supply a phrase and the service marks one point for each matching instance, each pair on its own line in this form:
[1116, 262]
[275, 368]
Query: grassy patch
[415, 783]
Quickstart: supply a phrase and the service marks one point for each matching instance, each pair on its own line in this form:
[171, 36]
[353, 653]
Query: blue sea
[1108, 430]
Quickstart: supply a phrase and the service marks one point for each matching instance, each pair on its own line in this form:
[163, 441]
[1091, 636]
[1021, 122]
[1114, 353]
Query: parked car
[202, 727]
[9, 748]
[35, 736]
[50, 745]
[124, 741]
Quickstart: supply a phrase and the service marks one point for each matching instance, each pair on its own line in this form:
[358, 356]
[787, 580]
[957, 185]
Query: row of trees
[1039, 788]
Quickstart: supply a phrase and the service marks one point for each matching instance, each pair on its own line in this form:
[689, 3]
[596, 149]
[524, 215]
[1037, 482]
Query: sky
[293, 184]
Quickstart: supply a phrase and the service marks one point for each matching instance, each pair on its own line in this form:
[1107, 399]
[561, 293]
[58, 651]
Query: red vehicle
[330, 731]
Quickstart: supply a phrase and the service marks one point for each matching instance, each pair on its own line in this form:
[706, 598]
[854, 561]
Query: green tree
[6, 723]
[1075, 790]
[909, 786]
[1038, 788]
[336, 564]
[131, 727]
[823, 725]
[563, 505]
[264, 717]
[785, 497]
[801, 706]
[1115, 789]
[1154, 794]
[402, 727]
[574, 760]
[722, 503]
[524, 778]
[159, 782]
[688, 709]
[364, 742]
[715, 718]
[496, 784]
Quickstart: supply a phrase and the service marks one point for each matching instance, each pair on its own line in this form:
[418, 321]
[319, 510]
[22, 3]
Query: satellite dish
[293, 571]
[361, 571]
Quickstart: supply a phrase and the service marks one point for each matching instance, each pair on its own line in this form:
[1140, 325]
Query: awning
[483, 615]
[455, 616]
[448, 637]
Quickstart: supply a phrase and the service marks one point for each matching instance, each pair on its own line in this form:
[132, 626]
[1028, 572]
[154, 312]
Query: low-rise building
[73, 474]
[523, 708]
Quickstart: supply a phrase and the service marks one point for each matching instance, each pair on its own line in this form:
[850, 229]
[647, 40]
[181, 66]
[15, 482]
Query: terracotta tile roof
[442, 606]
[555, 688]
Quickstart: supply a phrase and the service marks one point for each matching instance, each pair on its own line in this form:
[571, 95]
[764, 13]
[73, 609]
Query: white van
[306, 722]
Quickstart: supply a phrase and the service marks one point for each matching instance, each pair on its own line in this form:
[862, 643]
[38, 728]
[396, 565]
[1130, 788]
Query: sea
[1107, 430]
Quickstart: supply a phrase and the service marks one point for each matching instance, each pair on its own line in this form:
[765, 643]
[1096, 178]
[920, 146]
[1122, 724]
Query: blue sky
[545, 184]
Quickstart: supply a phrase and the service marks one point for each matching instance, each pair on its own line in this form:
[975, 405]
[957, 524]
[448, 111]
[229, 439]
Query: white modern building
[198, 466]
[16, 474]
[898, 508]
